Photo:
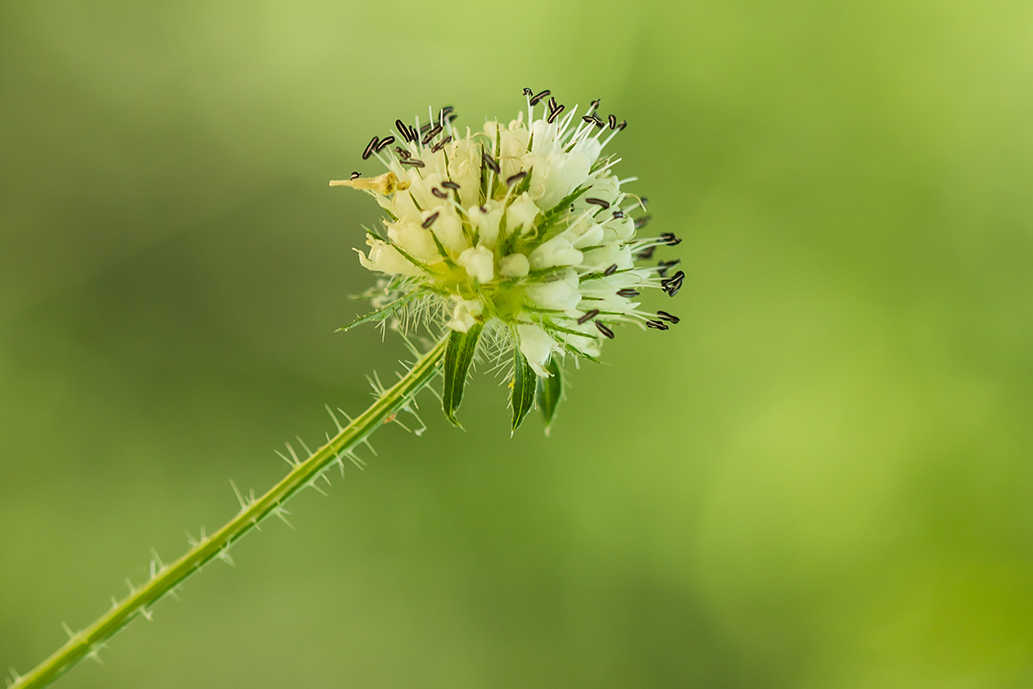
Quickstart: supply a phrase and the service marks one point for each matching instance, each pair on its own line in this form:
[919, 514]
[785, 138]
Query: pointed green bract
[524, 379]
[379, 314]
[458, 357]
[550, 391]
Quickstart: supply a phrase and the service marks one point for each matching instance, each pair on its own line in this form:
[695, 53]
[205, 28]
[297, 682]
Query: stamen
[598, 202]
[669, 238]
[490, 162]
[668, 316]
[402, 153]
[658, 325]
[642, 222]
[528, 92]
[370, 147]
[513, 178]
[441, 194]
[449, 184]
[552, 104]
[403, 130]
[612, 119]
[430, 220]
[672, 284]
[646, 253]
[356, 174]
[589, 315]
[441, 144]
[623, 125]
[415, 162]
[537, 98]
[603, 329]
[662, 266]
[554, 114]
[431, 134]
[595, 105]
[627, 292]
[618, 214]
[611, 270]
[384, 143]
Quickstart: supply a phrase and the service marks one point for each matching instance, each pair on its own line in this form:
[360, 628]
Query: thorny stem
[165, 579]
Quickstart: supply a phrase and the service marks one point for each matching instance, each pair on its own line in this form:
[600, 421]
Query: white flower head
[520, 227]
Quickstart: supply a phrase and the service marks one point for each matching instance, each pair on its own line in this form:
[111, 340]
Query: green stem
[89, 641]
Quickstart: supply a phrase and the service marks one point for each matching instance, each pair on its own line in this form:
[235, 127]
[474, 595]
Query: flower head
[521, 227]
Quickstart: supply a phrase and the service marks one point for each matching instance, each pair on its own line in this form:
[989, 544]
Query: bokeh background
[821, 479]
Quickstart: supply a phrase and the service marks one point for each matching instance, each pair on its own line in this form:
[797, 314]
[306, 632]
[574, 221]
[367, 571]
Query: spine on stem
[165, 578]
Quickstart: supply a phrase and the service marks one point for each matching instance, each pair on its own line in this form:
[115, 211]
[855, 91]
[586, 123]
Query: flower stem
[164, 579]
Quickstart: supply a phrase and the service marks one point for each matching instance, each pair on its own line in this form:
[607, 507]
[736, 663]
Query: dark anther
[598, 122]
[554, 114]
[623, 124]
[414, 135]
[356, 174]
[672, 284]
[627, 292]
[443, 115]
[440, 193]
[659, 325]
[450, 185]
[669, 239]
[589, 315]
[431, 134]
[644, 200]
[452, 117]
[528, 92]
[612, 119]
[370, 148]
[402, 153]
[611, 270]
[490, 162]
[603, 329]
[403, 130]
[642, 222]
[430, 220]
[598, 202]
[538, 97]
[595, 105]
[646, 253]
[384, 143]
[552, 104]
[483, 209]
[618, 214]
[441, 144]
[588, 118]
[415, 162]
[425, 127]
[662, 266]
[513, 178]
[668, 316]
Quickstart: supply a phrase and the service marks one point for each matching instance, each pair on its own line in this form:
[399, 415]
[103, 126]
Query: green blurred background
[820, 479]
